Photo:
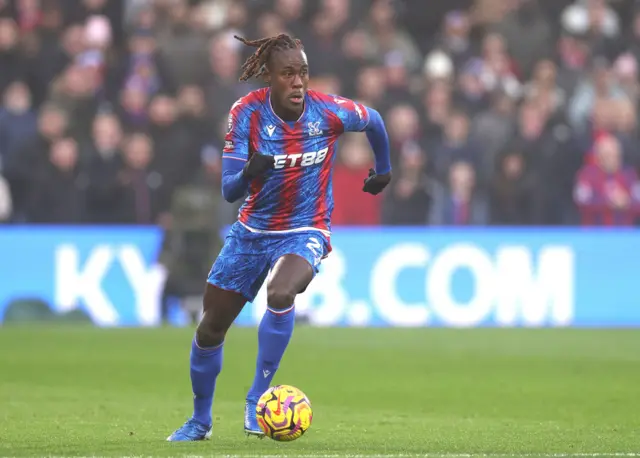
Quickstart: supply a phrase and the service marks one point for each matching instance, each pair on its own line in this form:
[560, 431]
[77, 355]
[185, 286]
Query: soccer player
[280, 149]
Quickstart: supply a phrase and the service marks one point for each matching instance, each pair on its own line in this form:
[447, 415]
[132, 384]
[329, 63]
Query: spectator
[625, 70]
[455, 37]
[183, 47]
[607, 193]
[174, 149]
[370, 88]
[548, 159]
[606, 121]
[460, 202]
[528, 34]
[544, 87]
[12, 61]
[471, 92]
[397, 78]
[498, 71]
[28, 15]
[599, 84]
[74, 91]
[222, 88]
[193, 114]
[403, 126]
[436, 106]
[385, 36]
[58, 188]
[192, 238]
[573, 57]
[594, 20]
[513, 197]
[291, 12]
[141, 67]
[133, 104]
[18, 122]
[22, 165]
[354, 50]
[142, 186]
[325, 43]
[352, 206]
[456, 146]
[626, 128]
[494, 129]
[408, 201]
[104, 166]
[96, 70]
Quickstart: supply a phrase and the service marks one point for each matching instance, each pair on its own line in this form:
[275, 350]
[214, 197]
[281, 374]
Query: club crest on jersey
[314, 129]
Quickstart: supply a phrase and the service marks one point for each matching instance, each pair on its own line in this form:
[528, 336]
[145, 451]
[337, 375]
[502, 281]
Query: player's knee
[209, 333]
[279, 298]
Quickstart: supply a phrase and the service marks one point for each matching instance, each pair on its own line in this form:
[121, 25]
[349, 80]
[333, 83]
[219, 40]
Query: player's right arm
[238, 169]
[356, 117]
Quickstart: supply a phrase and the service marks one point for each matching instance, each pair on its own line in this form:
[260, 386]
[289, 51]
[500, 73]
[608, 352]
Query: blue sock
[274, 334]
[206, 364]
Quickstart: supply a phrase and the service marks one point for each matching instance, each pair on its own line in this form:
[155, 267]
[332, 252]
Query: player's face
[289, 78]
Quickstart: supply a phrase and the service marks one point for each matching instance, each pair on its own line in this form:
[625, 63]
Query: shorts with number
[247, 257]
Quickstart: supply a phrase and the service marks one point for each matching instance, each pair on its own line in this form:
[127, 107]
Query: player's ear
[266, 76]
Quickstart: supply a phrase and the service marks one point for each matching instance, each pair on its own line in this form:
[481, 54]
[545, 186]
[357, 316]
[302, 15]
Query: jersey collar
[273, 112]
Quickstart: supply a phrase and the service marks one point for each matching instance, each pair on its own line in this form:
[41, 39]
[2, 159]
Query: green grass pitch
[72, 391]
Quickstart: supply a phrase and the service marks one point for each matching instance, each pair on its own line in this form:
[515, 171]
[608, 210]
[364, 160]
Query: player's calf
[291, 275]
[220, 309]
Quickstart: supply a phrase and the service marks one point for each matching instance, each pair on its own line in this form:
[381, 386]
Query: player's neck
[284, 113]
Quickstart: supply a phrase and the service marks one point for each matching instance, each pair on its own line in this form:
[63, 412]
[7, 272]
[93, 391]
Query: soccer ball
[284, 413]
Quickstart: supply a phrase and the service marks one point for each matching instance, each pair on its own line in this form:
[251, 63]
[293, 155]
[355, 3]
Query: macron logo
[339, 101]
[266, 373]
[271, 129]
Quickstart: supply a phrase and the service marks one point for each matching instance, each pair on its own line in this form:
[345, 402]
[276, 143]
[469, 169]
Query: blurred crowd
[501, 112]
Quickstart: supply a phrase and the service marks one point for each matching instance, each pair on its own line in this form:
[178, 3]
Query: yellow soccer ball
[284, 413]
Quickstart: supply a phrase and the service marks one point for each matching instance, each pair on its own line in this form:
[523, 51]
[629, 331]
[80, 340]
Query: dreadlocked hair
[255, 64]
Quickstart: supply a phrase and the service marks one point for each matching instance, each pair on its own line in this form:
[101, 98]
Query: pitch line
[425, 455]
[416, 455]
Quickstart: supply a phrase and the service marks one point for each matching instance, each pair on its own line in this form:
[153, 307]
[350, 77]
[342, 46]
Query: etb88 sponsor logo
[300, 159]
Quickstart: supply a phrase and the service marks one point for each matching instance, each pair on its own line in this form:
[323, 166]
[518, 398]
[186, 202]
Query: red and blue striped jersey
[297, 193]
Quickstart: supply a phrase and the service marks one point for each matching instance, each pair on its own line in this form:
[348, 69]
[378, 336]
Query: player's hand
[374, 184]
[258, 165]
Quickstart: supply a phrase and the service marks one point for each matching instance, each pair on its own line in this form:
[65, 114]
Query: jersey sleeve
[353, 115]
[236, 140]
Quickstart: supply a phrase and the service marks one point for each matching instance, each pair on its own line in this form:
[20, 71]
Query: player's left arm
[356, 117]
[235, 154]
[238, 169]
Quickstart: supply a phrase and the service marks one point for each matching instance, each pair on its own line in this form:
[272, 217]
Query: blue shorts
[246, 257]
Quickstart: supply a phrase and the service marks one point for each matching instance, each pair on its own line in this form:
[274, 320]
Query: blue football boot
[251, 427]
[192, 430]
